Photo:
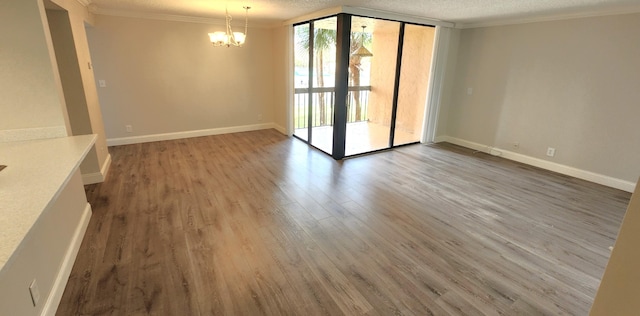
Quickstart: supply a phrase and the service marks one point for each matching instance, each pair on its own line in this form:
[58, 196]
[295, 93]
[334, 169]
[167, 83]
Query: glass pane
[414, 81]
[323, 89]
[371, 83]
[301, 81]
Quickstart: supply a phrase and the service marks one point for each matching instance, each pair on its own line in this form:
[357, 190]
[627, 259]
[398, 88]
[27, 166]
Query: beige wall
[414, 77]
[571, 85]
[166, 77]
[383, 68]
[33, 103]
[281, 75]
[620, 287]
[67, 61]
[446, 99]
[71, 78]
[29, 93]
[79, 17]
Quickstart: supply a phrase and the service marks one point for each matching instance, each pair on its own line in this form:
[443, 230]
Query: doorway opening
[73, 91]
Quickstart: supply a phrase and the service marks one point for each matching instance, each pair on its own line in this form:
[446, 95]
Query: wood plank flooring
[258, 223]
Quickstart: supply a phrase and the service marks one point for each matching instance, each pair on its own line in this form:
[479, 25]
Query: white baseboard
[105, 167]
[91, 178]
[189, 134]
[544, 164]
[570, 171]
[280, 129]
[52, 303]
[440, 139]
[97, 177]
[464, 143]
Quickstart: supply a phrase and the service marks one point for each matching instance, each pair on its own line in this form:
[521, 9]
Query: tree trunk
[320, 78]
[354, 66]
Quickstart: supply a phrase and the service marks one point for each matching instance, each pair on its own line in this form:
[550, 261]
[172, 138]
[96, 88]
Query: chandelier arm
[228, 37]
[231, 38]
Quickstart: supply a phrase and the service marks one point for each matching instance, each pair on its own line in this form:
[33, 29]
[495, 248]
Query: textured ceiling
[457, 11]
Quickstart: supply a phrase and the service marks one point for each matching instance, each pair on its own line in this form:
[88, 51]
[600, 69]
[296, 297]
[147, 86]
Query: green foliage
[323, 39]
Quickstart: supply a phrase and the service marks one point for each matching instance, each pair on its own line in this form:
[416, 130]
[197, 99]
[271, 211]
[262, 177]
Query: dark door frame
[343, 40]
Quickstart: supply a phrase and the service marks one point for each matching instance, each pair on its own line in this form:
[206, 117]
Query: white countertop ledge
[36, 173]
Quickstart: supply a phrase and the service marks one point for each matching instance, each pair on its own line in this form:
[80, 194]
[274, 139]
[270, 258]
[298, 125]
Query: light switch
[102, 83]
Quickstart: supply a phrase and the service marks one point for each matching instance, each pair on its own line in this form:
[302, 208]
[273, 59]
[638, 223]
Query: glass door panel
[323, 88]
[301, 108]
[414, 81]
[381, 104]
[371, 84]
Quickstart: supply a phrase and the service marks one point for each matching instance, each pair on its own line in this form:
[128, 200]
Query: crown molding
[357, 11]
[84, 3]
[315, 15]
[155, 16]
[170, 17]
[395, 16]
[559, 17]
[368, 13]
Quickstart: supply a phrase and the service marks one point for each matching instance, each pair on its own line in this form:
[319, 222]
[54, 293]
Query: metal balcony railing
[323, 106]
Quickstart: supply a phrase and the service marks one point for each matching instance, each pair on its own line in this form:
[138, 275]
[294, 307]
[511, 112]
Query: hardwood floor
[260, 224]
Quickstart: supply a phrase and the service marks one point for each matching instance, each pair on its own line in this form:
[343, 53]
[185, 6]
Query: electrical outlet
[259, 117]
[551, 152]
[469, 91]
[129, 128]
[515, 145]
[102, 83]
[35, 292]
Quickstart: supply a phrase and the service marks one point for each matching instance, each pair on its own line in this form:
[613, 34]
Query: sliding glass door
[371, 84]
[417, 49]
[303, 76]
[315, 64]
[360, 83]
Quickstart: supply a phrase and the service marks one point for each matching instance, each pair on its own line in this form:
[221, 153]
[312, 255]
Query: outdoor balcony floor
[362, 137]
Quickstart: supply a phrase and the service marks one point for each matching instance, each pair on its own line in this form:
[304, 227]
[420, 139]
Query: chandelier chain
[246, 19]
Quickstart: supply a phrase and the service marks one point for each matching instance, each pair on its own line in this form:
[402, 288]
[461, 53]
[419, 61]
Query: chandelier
[230, 37]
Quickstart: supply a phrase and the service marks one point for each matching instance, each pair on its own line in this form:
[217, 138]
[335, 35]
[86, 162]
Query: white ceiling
[461, 12]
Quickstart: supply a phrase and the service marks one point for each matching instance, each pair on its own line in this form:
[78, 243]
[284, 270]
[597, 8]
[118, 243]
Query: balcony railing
[323, 100]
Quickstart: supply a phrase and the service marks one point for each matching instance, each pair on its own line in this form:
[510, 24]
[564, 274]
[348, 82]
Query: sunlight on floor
[361, 137]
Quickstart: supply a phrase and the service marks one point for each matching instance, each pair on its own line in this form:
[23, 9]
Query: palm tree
[323, 39]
